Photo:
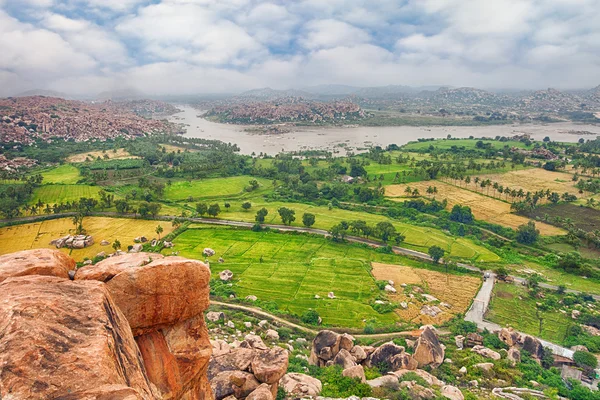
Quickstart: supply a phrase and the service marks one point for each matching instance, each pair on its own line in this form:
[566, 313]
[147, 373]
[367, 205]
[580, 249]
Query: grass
[294, 269]
[417, 237]
[469, 144]
[65, 174]
[39, 234]
[485, 208]
[213, 188]
[93, 155]
[507, 298]
[56, 194]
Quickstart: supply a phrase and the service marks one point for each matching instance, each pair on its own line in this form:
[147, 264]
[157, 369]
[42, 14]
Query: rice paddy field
[456, 290]
[417, 237]
[39, 234]
[507, 298]
[63, 174]
[93, 155]
[469, 144]
[295, 268]
[213, 188]
[56, 194]
[485, 208]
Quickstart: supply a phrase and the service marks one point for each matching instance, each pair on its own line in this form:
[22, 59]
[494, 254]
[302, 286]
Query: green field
[65, 174]
[417, 237]
[468, 144]
[212, 188]
[56, 194]
[294, 269]
[507, 298]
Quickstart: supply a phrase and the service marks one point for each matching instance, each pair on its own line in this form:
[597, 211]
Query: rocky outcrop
[73, 242]
[65, 339]
[128, 327]
[239, 371]
[36, 262]
[452, 393]
[107, 269]
[300, 385]
[485, 352]
[428, 349]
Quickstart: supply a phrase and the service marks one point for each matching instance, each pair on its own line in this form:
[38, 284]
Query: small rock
[474, 383]
[226, 275]
[463, 370]
[136, 248]
[230, 324]
[87, 262]
[403, 305]
[104, 243]
[575, 314]
[272, 335]
[317, 296]
[452, 393]
[485, 366]
[215, 316]
[251, 298]
[248, 324]
[331, 295]
[208, 252]
[389, 288]
[357, 372]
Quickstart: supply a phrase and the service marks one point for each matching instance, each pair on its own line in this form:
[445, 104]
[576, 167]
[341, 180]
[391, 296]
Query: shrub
[284, 333]
[585, 359]
[310, 317]
[369, 329]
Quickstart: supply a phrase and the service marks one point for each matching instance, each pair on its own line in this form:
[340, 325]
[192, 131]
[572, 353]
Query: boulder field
[129, 327]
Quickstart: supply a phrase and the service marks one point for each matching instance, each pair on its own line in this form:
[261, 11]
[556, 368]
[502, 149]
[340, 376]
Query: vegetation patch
[232, 186]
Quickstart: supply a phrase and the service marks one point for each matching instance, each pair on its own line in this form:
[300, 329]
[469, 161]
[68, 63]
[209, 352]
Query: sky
[161, 47]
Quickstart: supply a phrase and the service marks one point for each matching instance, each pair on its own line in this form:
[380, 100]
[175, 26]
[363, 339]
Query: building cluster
[27, 119]
[15, 164]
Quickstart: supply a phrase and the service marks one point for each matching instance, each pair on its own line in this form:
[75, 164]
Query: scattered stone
[226, 275]
[485, 366]
[253, 342]
[208, 252]
[262, 323]
[513, 356]
[272, 334]
[432, 311]
[300, 385]
[474, 383]
[263, 392]
[248, 324]
[474, 339]
[452, 393]
[357, 372]
[358, 353]
[430, 298]
[463, 370]
[430, 379]
[230, 324]
[221, 260]
[317, 296]
[220, 347]
[101, 255]
[489, 353]
[386, 381]
[215, 316]
[579, 347]
[460, 341]
[251, 298]
[73, 242]
[136, 248]
[87, 262]
[331, 295]
[104, 243]
[168, 245]
[403, 305]
[575, 314]
[389, 288]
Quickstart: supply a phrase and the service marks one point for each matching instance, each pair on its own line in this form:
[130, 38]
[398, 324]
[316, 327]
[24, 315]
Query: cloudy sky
[211, 46]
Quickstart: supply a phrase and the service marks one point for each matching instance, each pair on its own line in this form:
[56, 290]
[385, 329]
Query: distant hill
[268, 94]
[122, 94]
[43, 92]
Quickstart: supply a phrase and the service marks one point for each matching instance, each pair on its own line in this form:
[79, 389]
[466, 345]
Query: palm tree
[408, 191]
[159, 230]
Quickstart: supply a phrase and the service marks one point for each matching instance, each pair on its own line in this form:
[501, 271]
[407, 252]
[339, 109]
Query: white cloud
[328, 33]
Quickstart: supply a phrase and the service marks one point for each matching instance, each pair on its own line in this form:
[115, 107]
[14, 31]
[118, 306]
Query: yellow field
[92, 155]
[169, 148]
[456, 290]
[39, 234]
[535, 179]
[484, 208]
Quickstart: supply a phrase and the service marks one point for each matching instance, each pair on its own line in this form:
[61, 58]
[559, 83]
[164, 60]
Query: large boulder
[404, 361]
[325, 347]
[428, 349]
[383, 354]
[263, 392]
[513, 356]
[427, 377]
[485, 352]
[269, 366]
[344, 359]
[36, 262]
[356, 372]
[106, 269]
[238, 359]
[162, 293]
[300, 385]
[509, 336]
[385, 381]
[533, 346]
[65, 339]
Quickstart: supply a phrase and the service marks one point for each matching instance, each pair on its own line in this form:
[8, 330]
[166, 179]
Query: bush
[310, 317]
[462, 327]
[585, 359]
[369, 329]
[337, 386]
[284, 333]
[220, 289]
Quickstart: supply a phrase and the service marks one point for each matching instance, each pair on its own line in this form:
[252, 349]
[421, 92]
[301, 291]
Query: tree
[260, 215]
[246, 205]
[78, 222]
[227, 205]
[308, 220]
[461, 214]
[116, 245]
[338, 232]
[385, 230]
[287, 215]
[122, 206]
[201, 208]
[311, 317]
[159, 230]
[214, 210]
[585, 359]
[436, 253]
[527, 233]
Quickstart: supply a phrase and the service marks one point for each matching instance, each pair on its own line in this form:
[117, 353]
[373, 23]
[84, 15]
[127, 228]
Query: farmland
[507, 298]
[291, 269]
[117, 154]
[468, 144]
[584, 218]
[56, 194]
[233, 186]
[39, 234]
[534, 180]
[484, 207]
[457, 290]
[417, 237]
[63, 174]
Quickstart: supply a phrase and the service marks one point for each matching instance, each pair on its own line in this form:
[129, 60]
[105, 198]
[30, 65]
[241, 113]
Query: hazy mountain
[122, 94]
[43, 92]
[331, 90]
[273, 94]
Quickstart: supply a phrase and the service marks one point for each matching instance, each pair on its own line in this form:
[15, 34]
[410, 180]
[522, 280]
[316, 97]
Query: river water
[340, 140]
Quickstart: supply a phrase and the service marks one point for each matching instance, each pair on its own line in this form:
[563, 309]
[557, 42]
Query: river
[340, 140]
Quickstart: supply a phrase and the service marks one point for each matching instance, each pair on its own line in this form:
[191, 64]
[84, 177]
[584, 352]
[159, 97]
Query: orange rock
[269, 366]
[106, 269]
[36, 262]
[162, 293]
[161, 366]
[65, 339]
